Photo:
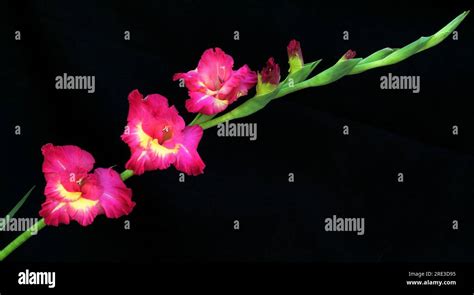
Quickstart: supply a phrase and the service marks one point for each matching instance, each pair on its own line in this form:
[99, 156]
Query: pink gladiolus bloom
[214, 85]
[158, 137]
[74, 193]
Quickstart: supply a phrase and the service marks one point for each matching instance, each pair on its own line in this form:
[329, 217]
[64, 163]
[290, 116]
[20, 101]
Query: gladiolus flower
[74, 193]
[268, 78]
[295, 56]
[214, 85]
[158, 137]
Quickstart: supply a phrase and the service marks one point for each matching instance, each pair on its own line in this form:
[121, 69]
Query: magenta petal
[215, 66]
[242, 80]
[192, 80]
[205, 104]
[188, 159]
[60, 188]
[83, 211]
[54, 212]
[67, 161]
[147, 160]
[147, 154]
[115, 198]
[142, 106]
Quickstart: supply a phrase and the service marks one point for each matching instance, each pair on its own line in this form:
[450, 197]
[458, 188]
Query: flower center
[167, 133]
[67, 195]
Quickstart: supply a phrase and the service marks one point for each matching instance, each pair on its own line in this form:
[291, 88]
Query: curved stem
[32, 231]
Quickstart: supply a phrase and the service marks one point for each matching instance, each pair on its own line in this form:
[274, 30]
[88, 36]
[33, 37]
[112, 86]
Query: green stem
[297, 87]
[126, 174]
[200, 119]
[198, 116]
[33, 230]
[236, 113]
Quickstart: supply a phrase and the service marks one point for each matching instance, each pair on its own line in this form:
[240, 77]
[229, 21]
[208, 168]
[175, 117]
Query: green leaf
[384, 57]
[201, 118]
[337, 71]
[249, 107]
[333, 73]
[404, 52]
[18, 205]
[445, 31]
[382, 53]
[301, 74]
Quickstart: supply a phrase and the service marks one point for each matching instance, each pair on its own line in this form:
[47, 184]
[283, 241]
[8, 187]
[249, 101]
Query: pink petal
[61, 206]
[188, 159]
[91, 188]
[62, 191]
[168, 118]
[132, 134]
[154, 114]
[206, 104]
[150, 105]
[192, 80]
[147, 153]
[54, 212]
[238, 85]
[83, 211]
[115, 198]
[215, 67]
[148, 160]
[66, 161]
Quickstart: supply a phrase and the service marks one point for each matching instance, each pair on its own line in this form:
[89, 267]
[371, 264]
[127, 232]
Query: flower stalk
[344, 67]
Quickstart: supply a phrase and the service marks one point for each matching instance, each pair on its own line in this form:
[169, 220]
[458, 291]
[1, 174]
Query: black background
[391, 131]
